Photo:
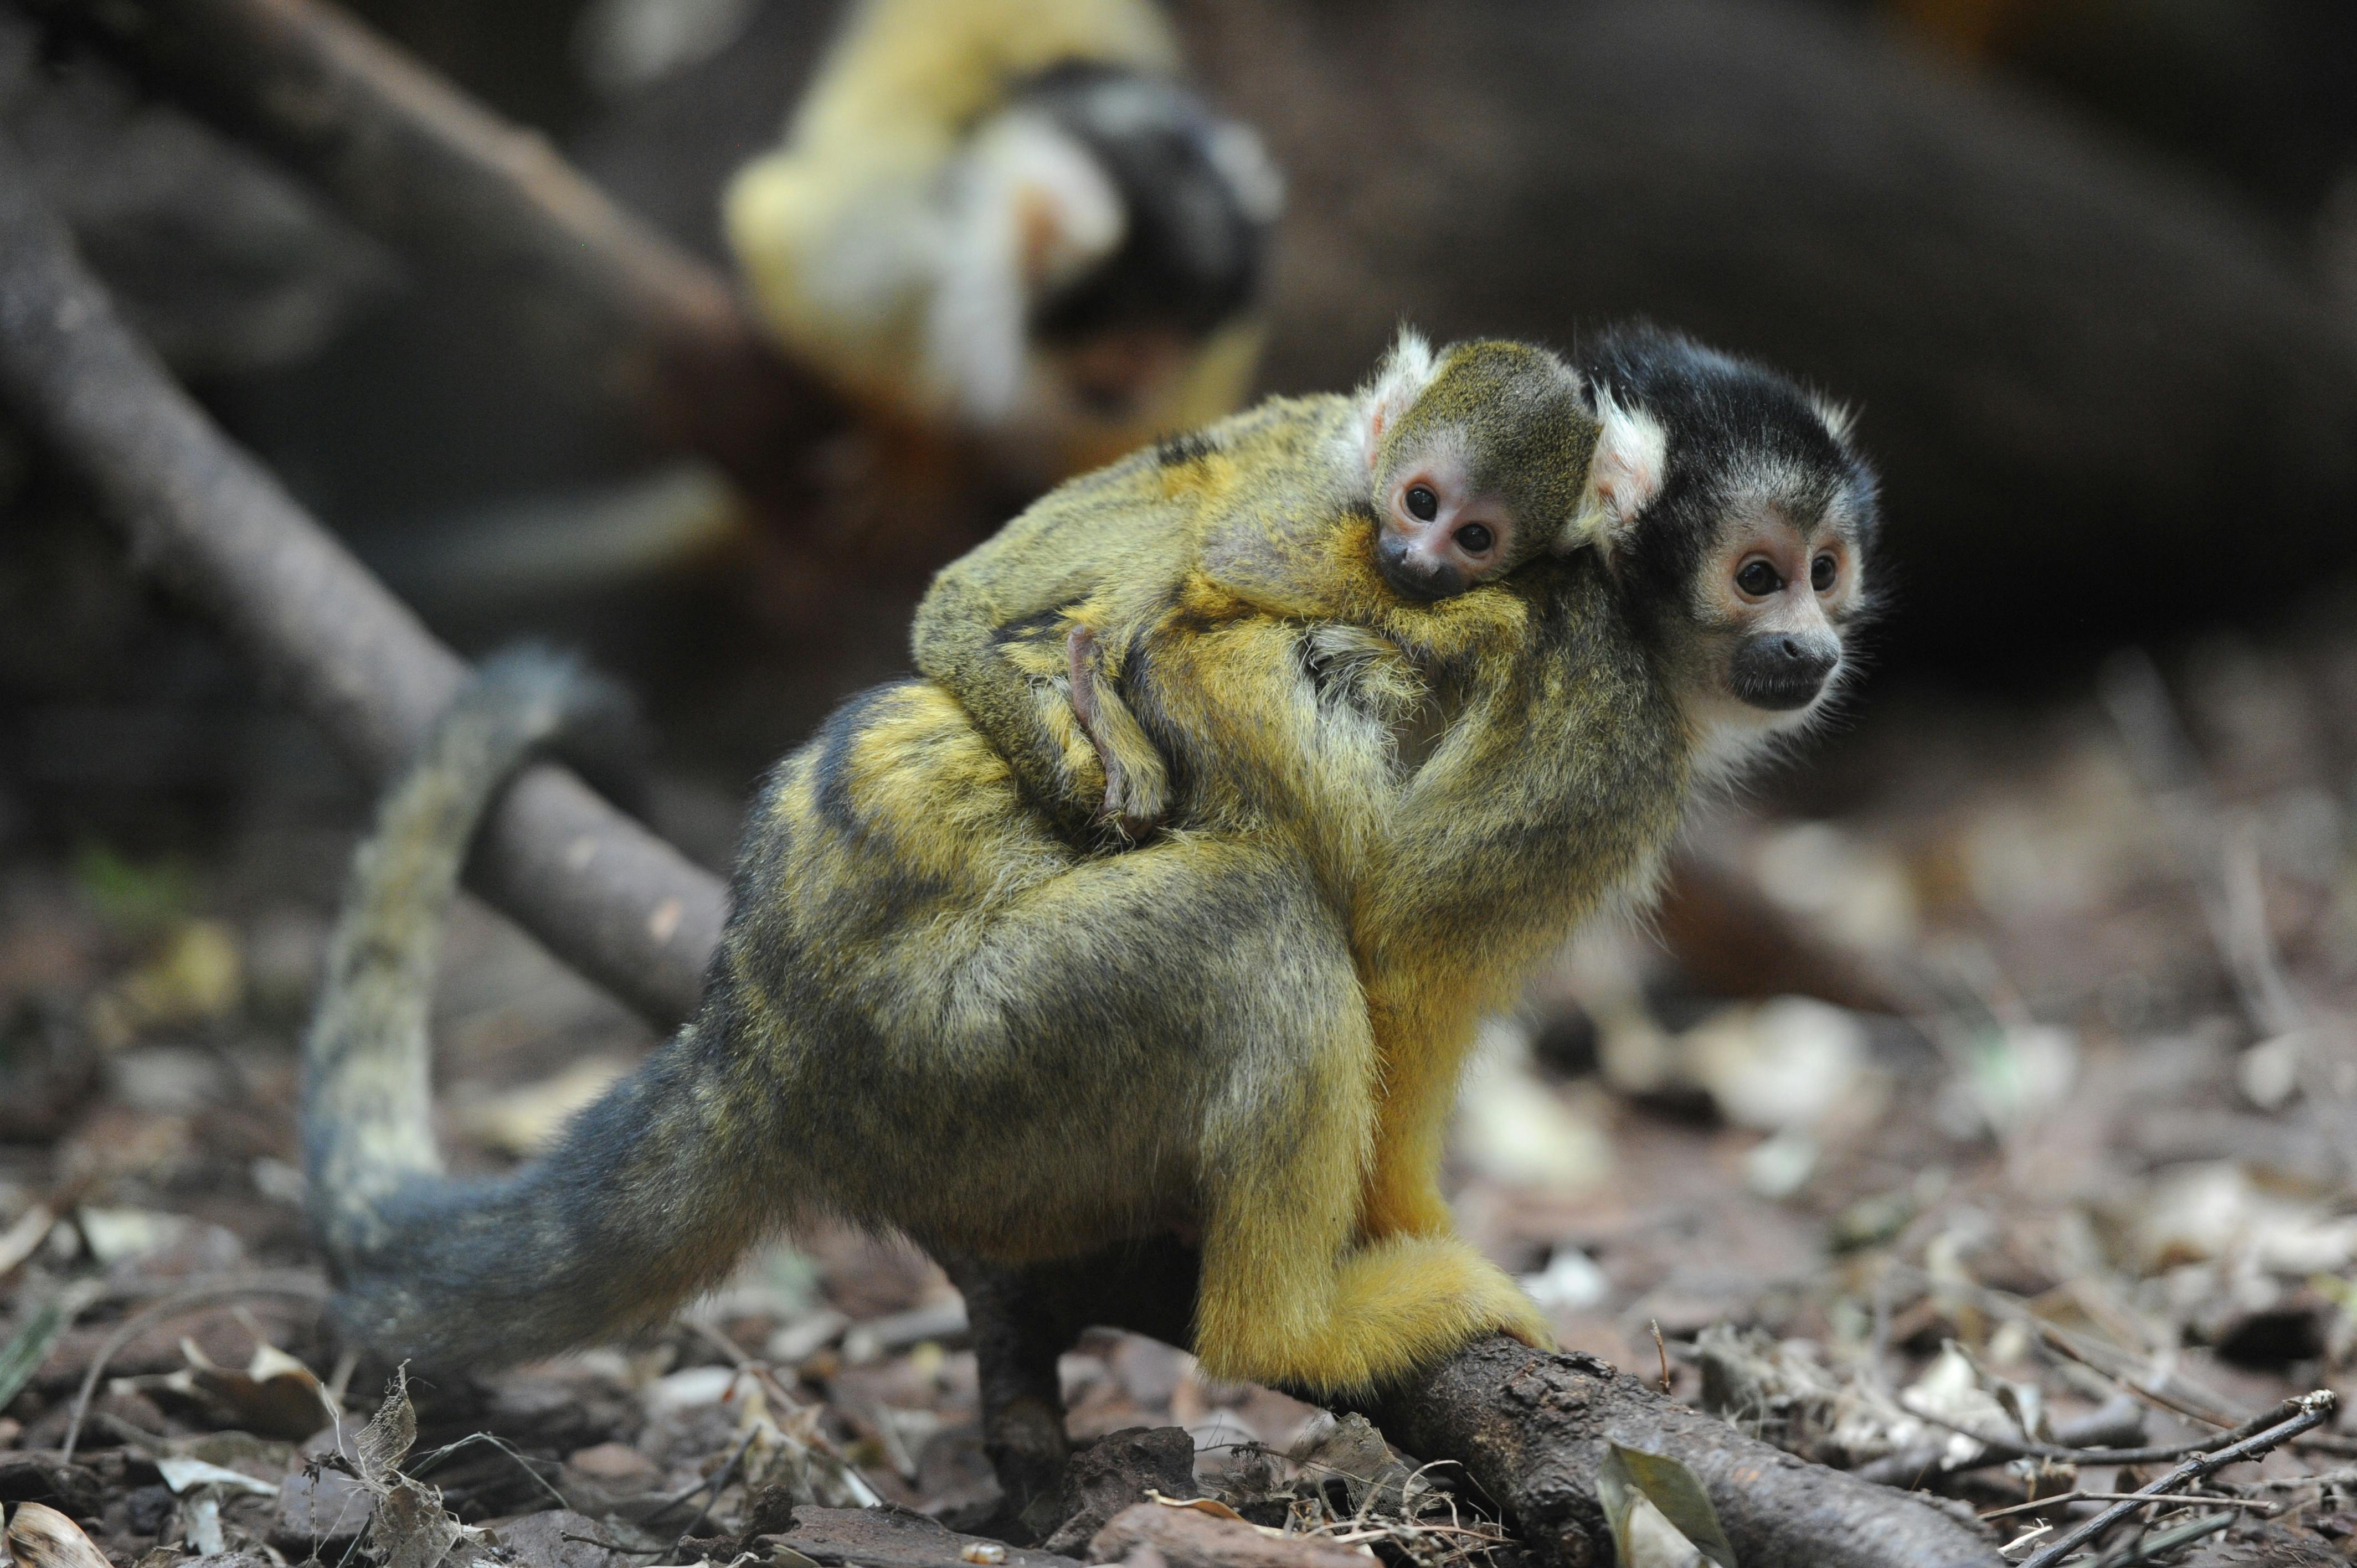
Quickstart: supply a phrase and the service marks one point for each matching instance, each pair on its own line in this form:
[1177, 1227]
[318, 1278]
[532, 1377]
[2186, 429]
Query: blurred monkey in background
[1008, 218]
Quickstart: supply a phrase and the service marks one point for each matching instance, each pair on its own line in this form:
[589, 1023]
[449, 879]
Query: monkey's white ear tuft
[1624, 477]
[1839, 417]
[1046, 197]
[1398, 381]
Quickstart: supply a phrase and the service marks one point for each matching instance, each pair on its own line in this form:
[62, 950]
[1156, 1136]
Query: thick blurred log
[605, 895]
[2108, 401]
[607, 303]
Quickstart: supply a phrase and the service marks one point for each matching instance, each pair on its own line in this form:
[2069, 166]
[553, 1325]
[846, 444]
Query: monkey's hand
[1138, 785]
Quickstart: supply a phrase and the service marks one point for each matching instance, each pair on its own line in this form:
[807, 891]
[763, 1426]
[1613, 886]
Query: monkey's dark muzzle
[1412, 576]
[1781, 671]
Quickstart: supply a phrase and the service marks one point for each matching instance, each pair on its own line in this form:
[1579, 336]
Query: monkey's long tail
[642, 1201]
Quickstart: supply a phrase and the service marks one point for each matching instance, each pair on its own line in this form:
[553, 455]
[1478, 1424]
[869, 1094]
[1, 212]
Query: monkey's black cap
[1199, 194]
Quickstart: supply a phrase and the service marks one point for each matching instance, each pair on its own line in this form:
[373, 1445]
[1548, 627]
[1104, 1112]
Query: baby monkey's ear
[1624, 477]
[1398, 381]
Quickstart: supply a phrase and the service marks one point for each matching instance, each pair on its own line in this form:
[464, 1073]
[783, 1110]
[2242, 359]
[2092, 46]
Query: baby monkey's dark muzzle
[1413, 576]
[1782, 670]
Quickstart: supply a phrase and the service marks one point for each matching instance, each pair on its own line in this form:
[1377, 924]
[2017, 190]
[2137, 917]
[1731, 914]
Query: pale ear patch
[1066, 213]
[1839, 417]
[1398, 381]
[1624, 477]
[1031, 208]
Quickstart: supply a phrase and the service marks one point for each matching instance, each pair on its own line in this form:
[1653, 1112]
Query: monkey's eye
[1821, 572]
[1475, 539]
[1422, 504]
[1759, 579]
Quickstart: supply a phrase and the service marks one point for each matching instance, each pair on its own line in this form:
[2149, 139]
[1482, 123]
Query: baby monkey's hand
[1138, 785]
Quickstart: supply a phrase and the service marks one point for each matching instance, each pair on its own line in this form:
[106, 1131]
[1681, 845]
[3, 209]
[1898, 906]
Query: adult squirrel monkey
[1447, 469]
[1008, 218]
[934, 1012]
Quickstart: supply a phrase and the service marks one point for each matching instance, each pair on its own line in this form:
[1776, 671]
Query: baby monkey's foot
[1135, 793]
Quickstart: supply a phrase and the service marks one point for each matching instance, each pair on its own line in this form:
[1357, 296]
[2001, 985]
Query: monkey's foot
[1397, 1304]
[1137, 790]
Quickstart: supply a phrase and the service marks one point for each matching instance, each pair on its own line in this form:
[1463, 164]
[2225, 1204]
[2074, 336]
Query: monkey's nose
[1782, 670]
[1411, 575]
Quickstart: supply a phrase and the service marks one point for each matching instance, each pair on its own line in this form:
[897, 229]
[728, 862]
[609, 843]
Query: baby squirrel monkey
[1007, 216]
[1447, 469]
[934, 1013]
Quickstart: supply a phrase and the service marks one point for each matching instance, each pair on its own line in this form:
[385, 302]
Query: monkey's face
[1739, 520]
[1772, 601]
[1441, 534]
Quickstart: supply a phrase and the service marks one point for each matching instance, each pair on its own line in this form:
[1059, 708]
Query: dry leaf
[386, 1440]
[180, 1475]
[1658, 1513]
[1212, 1505]
[20, 1240]
[200, 1525]
[276, 1395]
[1648, 1540]
[41, 1537]
[114, 1234]
[411, 1529]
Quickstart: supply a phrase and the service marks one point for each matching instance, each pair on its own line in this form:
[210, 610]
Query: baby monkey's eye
[1474, 538]
[1821, 572]
[1422, 504]
[1759, 579]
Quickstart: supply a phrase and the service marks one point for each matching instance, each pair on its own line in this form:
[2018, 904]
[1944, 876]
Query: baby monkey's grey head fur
[1478, 458]
[1743, 531]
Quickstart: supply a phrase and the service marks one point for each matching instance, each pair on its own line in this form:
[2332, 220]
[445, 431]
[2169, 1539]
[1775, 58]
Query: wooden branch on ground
[606, 895]
[629, 912]
[612, 304]
[1530, 1428]
[1533, 1429]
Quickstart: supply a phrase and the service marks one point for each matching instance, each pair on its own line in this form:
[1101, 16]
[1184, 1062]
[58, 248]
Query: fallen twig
[2313, 1409]
[714, 1488]
[2188, 1499]
[1911, 1467]
[2027, 1448]
[2110, 1362]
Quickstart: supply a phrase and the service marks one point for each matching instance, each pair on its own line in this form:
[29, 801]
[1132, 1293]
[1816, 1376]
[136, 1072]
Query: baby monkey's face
[1476, 461]
[1442, 534]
